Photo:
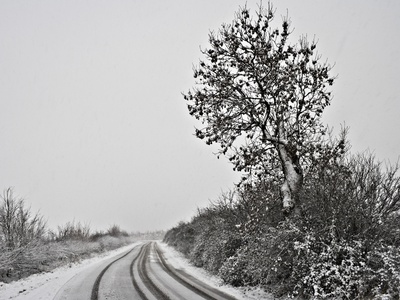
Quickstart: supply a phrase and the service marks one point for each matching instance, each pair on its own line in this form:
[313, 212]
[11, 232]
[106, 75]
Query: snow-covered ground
[45, 286]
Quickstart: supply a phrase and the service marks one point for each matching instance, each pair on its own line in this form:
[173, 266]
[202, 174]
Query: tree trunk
[293, 179]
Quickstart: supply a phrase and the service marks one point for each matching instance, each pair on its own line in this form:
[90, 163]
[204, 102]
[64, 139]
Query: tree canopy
[261, 97]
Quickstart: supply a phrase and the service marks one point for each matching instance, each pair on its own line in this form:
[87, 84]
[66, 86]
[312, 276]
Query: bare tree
[261, 98]
[18, 226]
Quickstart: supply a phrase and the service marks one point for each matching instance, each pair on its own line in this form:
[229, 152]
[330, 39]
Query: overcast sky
[93, 126]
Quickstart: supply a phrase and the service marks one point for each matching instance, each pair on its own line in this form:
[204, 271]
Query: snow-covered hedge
[345, 244]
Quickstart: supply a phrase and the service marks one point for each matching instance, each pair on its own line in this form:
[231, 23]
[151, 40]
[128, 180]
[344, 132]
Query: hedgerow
[343, 245]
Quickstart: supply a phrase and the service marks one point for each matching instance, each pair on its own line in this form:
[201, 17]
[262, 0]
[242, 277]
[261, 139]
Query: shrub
[116, 231]
[181, 237]
[213, 247]
[97, 235]
[357, 196]
[18, 227]
[73, 231]
[264, 259]
[342, 269]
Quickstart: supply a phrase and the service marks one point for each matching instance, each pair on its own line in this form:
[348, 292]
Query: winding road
[142, 272]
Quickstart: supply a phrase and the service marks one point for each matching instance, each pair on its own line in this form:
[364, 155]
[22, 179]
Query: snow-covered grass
[178, 260]
[43, 256]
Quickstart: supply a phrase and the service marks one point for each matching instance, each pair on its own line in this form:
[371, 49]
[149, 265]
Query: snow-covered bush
[250, 266]
[264, 259]
[341, 269]
[350, 231]
[329, 270]
[384, 272]
[181, 237]
[18, 226]
[212, 248]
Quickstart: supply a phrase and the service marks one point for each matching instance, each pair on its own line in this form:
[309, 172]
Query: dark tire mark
[144, 276]
[96, 285]
[185, 282]
[134, 282]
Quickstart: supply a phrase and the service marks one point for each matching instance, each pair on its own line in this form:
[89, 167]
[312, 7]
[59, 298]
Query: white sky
[93, 126]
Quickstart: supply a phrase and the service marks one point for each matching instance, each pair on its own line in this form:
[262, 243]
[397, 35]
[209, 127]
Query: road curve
[103, 280]
[140, 273]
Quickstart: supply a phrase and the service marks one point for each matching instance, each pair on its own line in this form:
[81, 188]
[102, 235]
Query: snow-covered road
[139, 271]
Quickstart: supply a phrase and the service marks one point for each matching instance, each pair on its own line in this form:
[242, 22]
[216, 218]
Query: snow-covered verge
[44, 286]
[179, 261]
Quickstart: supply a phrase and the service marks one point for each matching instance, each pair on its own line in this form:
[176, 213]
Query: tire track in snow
[144, 275]
[96, 285]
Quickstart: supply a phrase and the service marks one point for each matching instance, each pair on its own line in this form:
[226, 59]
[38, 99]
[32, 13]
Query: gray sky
[93, 126]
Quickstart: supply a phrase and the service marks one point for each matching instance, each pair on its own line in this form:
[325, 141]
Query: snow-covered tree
[260, 97]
